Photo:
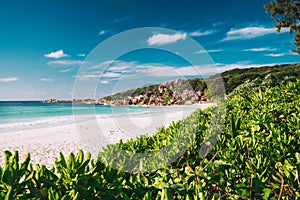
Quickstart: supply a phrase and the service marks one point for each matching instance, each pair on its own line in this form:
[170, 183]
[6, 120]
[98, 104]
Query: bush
[257, 156]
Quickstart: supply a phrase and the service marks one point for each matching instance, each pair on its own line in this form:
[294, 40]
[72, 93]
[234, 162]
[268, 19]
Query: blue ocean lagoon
[25, 114]
[20, 115]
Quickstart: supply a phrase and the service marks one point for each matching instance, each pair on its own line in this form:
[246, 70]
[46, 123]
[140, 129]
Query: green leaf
[267, 193]
[221, 162]
[189, 171]
[26, 162]
[165, 195]
[297, 155]
[62, 160]
[79, 157]
[9, 194]
[8, 175]
[16, 161]
[178, 186]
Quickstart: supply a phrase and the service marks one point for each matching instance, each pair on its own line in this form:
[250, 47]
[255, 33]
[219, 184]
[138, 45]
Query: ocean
[21, 115]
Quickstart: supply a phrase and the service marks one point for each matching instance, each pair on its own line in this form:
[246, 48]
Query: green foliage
[120, 95]
[144, 90]
[235, 77]
[267, 136]
[257, 156]
[14, 178]
[167, 99]
[197, 84]
[286, 15]
[108, 98]
[214, 85]
[254, 86]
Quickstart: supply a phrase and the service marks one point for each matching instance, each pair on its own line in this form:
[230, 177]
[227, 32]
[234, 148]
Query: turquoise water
[35, 109]
[26, 114]
[20, 115]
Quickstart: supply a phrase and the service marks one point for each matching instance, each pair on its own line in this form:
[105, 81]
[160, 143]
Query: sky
[49, 47]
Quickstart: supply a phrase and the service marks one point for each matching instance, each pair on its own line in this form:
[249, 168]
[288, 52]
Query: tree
[286, 14]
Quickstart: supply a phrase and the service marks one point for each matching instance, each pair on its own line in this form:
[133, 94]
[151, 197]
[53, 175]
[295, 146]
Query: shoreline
[45, 143]
[18, 124]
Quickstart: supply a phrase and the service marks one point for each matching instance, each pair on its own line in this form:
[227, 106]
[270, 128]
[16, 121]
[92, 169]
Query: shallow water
[26, 114]
[20, 115]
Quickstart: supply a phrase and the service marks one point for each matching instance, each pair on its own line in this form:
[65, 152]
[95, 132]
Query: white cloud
[203, 70]
[146, 71]
[168, 71]
[114, 66]
[9, 79]
[56, 54]
[275, 54]
[189, 71]
[261, 49]
[111, 75]
[97, 75]
[121, 66]
[201, 33]
[65, 70]
[86, 76]
[120, 69]
[209, 51]
[46, 79]
[240, 65]
[161, 39]
[102, 32]
[110, 69]
[65, 62]
[81, 54]
[104, 82]
[102, 64]
[249, 32]
[186, 71]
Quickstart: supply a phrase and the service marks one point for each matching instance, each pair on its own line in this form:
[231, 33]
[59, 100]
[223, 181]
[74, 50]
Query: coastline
[44, 143]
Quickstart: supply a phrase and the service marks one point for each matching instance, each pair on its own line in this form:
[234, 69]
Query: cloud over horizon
[46, 79]
[8, 79]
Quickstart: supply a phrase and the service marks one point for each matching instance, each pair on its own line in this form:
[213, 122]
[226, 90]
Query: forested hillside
[196, 88]
[235, 77]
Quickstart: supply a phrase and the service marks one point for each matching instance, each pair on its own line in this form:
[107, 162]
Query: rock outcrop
[177, 92]
[86, 101]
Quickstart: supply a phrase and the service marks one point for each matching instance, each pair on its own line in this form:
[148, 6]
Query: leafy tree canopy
[286, 14]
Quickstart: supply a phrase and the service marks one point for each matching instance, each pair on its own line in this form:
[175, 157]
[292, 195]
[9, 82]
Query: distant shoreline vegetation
[190, 91]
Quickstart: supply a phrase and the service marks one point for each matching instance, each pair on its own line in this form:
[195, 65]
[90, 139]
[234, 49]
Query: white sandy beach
[45, 143]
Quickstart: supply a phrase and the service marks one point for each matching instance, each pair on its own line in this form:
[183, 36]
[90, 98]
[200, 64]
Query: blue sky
[44, 43]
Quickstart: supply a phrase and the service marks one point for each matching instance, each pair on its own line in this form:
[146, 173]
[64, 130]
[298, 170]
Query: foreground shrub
[257, 156]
